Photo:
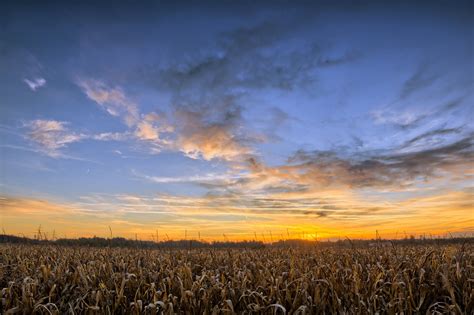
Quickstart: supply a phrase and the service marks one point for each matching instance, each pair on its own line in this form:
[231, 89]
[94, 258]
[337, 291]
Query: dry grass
[408, 280]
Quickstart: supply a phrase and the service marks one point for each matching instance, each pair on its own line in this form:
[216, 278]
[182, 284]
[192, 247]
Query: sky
[237, 120]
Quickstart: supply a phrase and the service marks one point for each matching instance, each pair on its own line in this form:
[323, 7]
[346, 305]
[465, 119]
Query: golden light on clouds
[338, 216]
[266, 125]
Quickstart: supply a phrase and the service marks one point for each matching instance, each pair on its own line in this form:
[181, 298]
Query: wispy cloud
[51, 135]
[422, 78]
[144, 127]
[402, 119]
[251, 58]
[111, 136]
[113, 100]
[42, 151]
[199, 179]
[35, 83]
[432, 138]
[341, 212]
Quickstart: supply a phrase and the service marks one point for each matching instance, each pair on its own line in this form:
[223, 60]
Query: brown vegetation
[388, 280]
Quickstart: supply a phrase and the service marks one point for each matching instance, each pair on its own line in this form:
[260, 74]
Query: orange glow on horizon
[448, 213]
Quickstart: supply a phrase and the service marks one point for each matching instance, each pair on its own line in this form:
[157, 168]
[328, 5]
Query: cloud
[432, 138]
[35, 83]
[113, 100]
[422, 78]
[416, 117]
[212, 130]
[205, 120]
[451, 104]
[146, 131]
[208, 88]
[389, 168]
[272, 122]
[210, 142]
[199, 179]
[340, 213]
[62, 217]
[111, 136]
[199, 130]
[30, 206]
[144, 127]
[251, 58]
[218, 204]
[51, 135]
[152, 125]
[335, 209]
[403, 119]
[442, 153]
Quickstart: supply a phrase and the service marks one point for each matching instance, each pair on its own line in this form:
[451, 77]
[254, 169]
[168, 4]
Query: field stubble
[388, 280]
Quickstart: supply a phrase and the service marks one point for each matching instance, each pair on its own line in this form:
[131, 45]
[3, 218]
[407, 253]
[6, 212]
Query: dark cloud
[422, 78]
[433, 133]
[324, 168]
[358, 142]
[272, 189]
[263, 54]
[320, 214]
[207, 90]
[327, 61]
[452, 104]
[301, 206]
[255, 57]
[407, 119]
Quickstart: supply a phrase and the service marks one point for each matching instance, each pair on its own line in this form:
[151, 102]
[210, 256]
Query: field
[388, 280]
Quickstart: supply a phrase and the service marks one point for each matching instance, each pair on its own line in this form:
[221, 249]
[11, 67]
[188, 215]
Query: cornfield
[48, 279]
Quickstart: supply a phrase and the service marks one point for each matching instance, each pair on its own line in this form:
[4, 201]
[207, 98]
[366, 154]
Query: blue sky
[237, 108]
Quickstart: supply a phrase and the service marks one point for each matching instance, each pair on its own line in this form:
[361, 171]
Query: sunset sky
[282, 119]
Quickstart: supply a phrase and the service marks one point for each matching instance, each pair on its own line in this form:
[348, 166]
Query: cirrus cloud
[35, 83]
[51, 135]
